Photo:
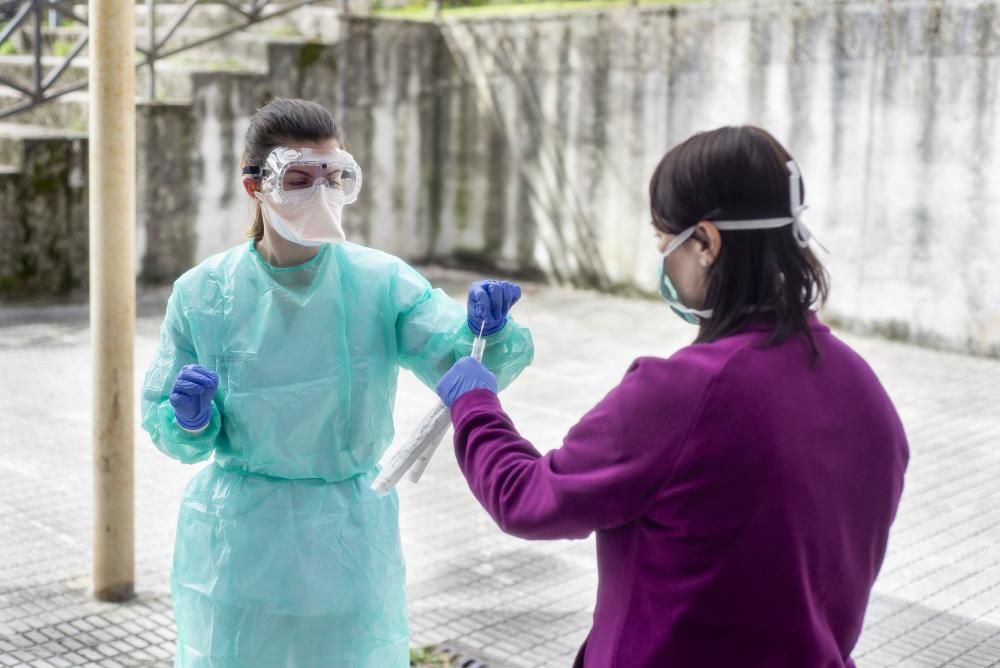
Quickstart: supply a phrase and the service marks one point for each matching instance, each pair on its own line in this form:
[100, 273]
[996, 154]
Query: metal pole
[437, 8]
[36, 37]
[112, 290]
[151, 41]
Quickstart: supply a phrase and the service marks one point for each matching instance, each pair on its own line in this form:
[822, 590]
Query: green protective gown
[284, 556]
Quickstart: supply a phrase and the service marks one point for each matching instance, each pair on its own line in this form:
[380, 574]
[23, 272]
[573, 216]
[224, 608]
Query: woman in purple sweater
[741, 490]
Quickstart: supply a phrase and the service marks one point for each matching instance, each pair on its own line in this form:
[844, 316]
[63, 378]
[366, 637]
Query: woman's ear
[708, 236]
[251, 186]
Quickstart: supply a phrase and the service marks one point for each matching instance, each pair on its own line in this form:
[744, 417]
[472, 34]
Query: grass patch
[426, 657]
[62, 47]
[7, 48]
[284, 31]
[221, 64]
[78, 125]
[423, 10]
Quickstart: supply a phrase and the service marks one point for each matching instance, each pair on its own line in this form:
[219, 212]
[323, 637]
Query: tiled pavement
[510, 602]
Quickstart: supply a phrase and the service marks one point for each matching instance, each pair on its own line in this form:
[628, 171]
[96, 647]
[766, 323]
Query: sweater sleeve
[609, 467]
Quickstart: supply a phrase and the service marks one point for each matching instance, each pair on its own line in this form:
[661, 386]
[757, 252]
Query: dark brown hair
[740, 173]
[282, 121]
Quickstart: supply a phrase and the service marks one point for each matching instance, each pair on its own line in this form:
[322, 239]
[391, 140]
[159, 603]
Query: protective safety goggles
[292, 174]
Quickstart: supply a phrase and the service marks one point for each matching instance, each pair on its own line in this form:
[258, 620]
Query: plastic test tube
[478, 348]
[422, 443]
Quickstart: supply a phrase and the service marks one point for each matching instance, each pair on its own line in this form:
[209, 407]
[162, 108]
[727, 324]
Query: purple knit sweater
[741, 496]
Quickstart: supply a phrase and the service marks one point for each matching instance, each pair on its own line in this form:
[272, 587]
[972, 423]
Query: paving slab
[507, 602]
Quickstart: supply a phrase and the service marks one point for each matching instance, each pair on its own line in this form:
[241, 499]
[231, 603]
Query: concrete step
[173, 77]
[241, 45]
[13, 135]
[247, 48]
[313, 21]
[68, 112]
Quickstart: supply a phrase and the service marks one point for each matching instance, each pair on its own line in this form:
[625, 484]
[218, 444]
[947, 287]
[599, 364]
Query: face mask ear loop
[676, 242]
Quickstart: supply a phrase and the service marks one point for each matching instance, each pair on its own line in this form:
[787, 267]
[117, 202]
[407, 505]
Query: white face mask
[667, 289]
[311, 222]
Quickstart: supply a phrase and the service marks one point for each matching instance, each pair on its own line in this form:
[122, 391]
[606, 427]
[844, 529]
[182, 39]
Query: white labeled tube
[430, 431]
[424, 459]
[416, 453]
[478, 348]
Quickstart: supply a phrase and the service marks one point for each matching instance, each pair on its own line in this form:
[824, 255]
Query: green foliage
[78, 124]
[7, 48]
[426, 657]
[62, 47]
[224, 64]
[285, 31]
[310, 54]
[422, 9]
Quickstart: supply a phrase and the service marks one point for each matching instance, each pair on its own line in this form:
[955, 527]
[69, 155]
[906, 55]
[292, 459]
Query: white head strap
[802, 234]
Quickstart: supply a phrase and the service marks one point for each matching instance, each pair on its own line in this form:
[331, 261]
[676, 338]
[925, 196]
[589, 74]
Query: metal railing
[43, 86]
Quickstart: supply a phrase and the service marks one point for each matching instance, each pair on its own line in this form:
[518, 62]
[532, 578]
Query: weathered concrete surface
[44, 210]
[44, 220]
[526, 144]
[513, 602]
[890, 108]
[170, 155]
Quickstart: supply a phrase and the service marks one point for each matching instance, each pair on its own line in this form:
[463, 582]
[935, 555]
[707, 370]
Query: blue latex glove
[490, 302]
[192, 396]
[466, 375]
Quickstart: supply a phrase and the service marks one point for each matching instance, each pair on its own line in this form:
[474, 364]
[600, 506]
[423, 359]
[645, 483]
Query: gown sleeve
[432, 334]
[174, 351]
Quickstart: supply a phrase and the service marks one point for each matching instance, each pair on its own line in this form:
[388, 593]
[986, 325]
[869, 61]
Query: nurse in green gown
[278, 360]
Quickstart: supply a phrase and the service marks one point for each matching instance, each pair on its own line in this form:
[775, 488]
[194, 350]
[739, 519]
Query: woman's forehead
[324, 144]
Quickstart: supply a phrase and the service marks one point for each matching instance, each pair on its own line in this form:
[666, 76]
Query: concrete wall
[526, 144]
[44, 238]
[43, 235]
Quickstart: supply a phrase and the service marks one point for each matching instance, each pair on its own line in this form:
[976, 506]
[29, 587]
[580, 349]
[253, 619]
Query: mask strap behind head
[802, 234]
